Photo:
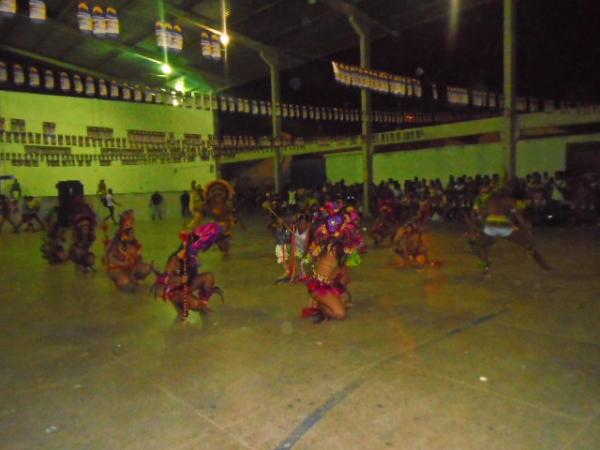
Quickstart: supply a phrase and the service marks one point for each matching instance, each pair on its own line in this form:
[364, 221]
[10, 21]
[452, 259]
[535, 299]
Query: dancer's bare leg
[523, 239]
[331, 305]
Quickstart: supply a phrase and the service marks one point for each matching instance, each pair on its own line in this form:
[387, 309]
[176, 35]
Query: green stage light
[166, 69]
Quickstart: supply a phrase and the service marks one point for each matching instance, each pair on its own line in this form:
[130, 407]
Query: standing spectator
[291, 200]
[15, 187]
[110, 205]
[29, 214]
[156, 202]
[185, 205]
[6, 213]
[101, 191]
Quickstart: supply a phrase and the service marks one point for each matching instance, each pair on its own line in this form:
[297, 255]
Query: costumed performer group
[330, 240]
[316, 246]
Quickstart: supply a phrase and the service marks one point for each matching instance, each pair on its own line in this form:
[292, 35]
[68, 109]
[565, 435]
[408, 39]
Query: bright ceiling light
[166, 69]
[175, 102]
[180, 85]
[224, 39]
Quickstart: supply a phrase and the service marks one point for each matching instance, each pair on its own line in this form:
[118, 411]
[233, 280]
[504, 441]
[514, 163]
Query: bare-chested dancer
[408, 245]
[497, 215]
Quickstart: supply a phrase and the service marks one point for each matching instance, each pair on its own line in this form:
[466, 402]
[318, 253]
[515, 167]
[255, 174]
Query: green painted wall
[41, 181]
[438, 162]
[73, 115]
[344, 166]
[547, 154]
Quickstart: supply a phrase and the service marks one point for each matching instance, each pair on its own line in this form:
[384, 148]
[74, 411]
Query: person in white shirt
[110, 204]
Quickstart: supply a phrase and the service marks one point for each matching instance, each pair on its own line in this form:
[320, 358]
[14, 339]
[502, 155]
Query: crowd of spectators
[559, 199]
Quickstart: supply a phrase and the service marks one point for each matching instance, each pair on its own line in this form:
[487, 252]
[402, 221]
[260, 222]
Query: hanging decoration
[102, 89]
[126, 92]
[37, 10]
[137, 93]
[206, 102]
[8, 8]
[112, 23]
[176, 39]
[223, 103]
[65, 82]
[160, 33]
[215, 45]
[34, 77]
[148, 95]
[434, 91]
[479, 98]
[114, 89]
[205, 45]
[168, 36]
[3, 72]
[458, 96]
[98, 22]
[533, 105]
[376, 81]
[49, 80]
[18, 75]
[90, 86]
[84, 18]
[77, 84]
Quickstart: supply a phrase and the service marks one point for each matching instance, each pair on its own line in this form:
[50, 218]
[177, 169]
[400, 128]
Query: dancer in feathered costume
[335, 246]
[183, 285]
[384, 226]
[53, 244]
[83, 224]
[123, 259]
[219, 205]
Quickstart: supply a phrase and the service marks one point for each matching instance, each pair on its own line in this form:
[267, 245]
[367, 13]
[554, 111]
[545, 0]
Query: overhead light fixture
[180, 85]
[224, 39]
[166, 69]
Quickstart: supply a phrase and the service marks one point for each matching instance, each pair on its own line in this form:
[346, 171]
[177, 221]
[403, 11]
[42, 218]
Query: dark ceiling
[297, 30]
[558, 48]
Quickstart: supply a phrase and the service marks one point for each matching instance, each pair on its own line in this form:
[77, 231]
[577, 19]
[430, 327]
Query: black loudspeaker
[68, 192]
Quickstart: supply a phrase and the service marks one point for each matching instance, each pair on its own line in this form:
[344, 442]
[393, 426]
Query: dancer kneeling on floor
[335, 247]
[183, 285]
[123, 259]
[409, 247]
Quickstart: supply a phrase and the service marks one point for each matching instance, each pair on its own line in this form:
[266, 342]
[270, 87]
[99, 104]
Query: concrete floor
[442, 359]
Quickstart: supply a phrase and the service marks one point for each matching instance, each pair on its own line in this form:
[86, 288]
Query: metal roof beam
[346, 8]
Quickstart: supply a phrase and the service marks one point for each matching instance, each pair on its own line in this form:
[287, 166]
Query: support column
[509, 135]
[272, 62]
[365, 108]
